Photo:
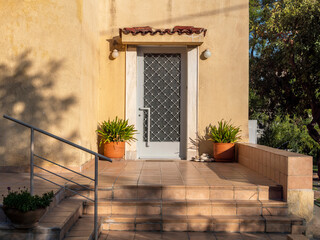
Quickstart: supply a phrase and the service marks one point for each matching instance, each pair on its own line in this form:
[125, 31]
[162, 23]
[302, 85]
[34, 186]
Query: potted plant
[114, 134]
[24, 210]
[224, 136]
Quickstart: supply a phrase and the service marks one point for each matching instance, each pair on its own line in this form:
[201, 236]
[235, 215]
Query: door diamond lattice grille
[162, 89]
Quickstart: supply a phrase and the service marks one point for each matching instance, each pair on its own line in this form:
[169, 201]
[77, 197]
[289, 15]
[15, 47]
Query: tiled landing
[177, 173]
[181, 180]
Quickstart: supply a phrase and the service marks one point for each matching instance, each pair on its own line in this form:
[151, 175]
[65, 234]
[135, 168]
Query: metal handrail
[63, 167]
[69, 180]
[56, 137]
[32, 165]
[69, 189]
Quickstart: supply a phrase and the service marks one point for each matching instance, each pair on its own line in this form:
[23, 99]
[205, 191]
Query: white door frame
[192, 98]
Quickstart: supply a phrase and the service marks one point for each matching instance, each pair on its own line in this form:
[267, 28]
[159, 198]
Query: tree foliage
[285, 60]
[289, 133]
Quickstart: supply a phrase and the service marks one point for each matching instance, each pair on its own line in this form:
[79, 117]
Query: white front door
[161, 103]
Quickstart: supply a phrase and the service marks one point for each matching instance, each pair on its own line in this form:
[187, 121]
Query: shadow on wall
[26, 94]
[202, 143]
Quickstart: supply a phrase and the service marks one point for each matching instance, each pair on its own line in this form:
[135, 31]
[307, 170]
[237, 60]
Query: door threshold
[160, 159]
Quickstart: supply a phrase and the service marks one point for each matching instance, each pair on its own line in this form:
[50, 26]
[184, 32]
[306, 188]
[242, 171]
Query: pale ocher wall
[49, 72]
[223, 78]
[56, 71]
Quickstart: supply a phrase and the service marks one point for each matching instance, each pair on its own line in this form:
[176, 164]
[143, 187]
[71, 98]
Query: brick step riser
[189, 193]
[251, 226]
[207, 210]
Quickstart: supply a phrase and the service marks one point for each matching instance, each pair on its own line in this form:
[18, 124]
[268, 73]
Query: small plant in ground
[24, 202]
[117, 130]
[225, 132]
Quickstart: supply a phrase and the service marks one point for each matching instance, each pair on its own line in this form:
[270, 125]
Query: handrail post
[96, 197]
[31, 160]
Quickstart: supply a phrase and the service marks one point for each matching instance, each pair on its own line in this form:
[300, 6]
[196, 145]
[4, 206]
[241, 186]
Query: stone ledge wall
[292, 171]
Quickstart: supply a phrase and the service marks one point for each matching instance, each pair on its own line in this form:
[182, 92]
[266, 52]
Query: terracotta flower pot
[114, 149]
[223, 152]
[24, 220]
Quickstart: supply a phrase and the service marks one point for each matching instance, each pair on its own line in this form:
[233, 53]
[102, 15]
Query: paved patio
[142, 173]
[164, 175]
[179, 173]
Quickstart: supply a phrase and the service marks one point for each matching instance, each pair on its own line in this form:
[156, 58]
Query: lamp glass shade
[207, 53]
[115, 53]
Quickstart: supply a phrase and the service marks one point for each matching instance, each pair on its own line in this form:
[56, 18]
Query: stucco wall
[49, 71]
[56, 71]
[223, 78]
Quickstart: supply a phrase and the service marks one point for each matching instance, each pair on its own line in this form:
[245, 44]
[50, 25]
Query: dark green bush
[24, 202]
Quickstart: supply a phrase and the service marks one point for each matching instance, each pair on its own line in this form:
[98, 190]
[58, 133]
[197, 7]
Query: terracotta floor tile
[198, 192]
[228, 236]
[148, 236]
[174, 235]
[119, 235]
[201, 236]
[80, 233]
[173, 192]
[277, 236]
[255, 236]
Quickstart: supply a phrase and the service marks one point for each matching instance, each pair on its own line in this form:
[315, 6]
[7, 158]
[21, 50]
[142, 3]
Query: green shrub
[289, 133]
[224, 133]
[117, 130]
[24, 202]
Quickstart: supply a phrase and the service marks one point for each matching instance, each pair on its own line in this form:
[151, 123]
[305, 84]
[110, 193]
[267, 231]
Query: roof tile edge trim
[188, 30]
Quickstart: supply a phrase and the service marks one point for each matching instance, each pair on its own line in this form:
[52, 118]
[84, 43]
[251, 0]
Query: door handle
[148, 130]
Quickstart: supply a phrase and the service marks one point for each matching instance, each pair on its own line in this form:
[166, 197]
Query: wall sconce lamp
[207, 53]
[115, 53]
[116, 47]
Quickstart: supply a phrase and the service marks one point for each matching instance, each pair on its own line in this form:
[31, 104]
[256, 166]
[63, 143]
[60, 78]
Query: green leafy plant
[225, 132]
[24, 202]
[117, 130]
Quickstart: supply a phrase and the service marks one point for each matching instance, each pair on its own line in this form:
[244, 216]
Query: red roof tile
[177, 29]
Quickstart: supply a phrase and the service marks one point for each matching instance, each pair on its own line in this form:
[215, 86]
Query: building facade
[57, 73]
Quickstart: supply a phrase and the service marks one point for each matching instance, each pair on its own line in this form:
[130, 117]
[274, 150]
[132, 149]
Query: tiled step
[189, 192]
[197, 192]
[296, 237]
[53, 225]
[83, 229]
[130, 235]
[268, 224]
[190, 207]
[61, 218]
